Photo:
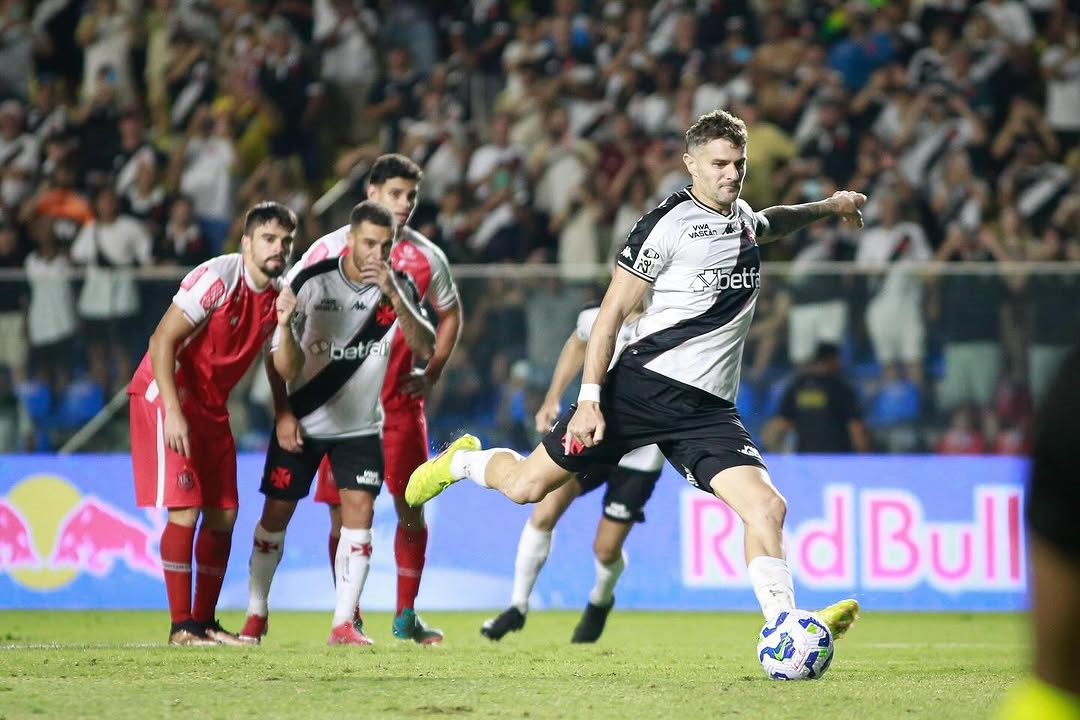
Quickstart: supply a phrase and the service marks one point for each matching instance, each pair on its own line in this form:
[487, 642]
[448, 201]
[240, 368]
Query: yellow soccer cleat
[433, 476]
[840, 616]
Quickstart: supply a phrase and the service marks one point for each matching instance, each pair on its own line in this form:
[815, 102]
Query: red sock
[176, 542]
[333, 558]
[211, 558]
[410, 548]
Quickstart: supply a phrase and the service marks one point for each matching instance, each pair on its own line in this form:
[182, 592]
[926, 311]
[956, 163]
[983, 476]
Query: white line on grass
[82, 646]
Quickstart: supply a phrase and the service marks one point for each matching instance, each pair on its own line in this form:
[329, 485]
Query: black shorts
[357, 463]
[1053, 493]
[627, 491]
[699, 433]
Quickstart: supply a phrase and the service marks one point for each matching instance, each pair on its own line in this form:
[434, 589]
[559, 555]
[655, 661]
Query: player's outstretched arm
[170, 333]
[623, 296]
[287, 355]
[781, 220]
[570, 362]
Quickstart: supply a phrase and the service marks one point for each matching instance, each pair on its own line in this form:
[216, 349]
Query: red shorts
[165, 478]
[405, 448]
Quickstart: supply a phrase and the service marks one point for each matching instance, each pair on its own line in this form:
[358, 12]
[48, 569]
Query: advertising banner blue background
[897, 532]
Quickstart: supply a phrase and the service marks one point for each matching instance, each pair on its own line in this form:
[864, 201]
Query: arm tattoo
[781, 220]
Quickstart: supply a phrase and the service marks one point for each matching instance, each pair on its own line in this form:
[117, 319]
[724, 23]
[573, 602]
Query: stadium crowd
[132, 134]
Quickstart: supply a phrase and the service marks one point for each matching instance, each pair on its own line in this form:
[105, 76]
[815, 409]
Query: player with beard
[182, 448]
[674, 383]
[393, 182]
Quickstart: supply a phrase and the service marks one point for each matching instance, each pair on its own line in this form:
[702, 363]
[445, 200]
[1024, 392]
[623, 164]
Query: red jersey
[232, 323]
[427, 265]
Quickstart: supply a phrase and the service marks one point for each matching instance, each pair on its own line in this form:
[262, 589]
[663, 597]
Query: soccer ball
[797, 645]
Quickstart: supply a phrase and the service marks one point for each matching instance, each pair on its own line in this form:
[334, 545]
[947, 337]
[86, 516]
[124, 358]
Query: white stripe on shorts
[160, 442]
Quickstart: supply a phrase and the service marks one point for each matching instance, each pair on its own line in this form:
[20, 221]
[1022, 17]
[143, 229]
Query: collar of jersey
[703, 206]
[358, 288]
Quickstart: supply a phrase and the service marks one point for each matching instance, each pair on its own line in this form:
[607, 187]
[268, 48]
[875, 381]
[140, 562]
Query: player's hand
[285, 306]
[287, 428]
[847, 205]
[379, 273]
[587, 426]
[176, 433]
[416, 383]
[547, 415]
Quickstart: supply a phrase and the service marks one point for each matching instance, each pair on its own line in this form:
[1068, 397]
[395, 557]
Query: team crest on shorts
[571, 445]
[185, 480]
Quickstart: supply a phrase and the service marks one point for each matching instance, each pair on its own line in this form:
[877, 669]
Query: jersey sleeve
[442, 292]
[650, 245]
[201, 292]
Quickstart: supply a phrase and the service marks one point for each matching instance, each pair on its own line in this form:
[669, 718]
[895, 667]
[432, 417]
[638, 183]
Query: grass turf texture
[74, 664]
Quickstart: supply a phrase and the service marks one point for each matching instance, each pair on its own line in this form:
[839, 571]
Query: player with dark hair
[182, 448]
[1054, 546]
[333, 353]
[393, 181]
[629, 486]
[675, 383]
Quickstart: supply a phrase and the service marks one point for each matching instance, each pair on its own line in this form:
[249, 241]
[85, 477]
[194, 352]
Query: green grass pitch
[647, 665]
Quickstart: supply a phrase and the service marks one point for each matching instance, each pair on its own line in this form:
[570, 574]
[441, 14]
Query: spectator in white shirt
[895, 249]
[201, 168]
[51, 320]
[110, 246]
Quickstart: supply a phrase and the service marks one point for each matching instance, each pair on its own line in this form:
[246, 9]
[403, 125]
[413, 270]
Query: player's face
[398, 194]
[369, 244]
[718, 168]
[268, 247]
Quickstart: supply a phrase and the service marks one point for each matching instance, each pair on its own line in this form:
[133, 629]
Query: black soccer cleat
[509, 620]
[591, 626]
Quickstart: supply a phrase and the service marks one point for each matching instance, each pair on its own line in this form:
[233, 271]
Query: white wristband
[589, 392]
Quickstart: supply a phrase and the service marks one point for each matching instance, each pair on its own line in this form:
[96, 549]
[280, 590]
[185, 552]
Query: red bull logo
[50, 533]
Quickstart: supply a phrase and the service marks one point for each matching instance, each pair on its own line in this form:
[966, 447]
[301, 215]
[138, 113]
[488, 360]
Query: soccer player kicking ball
[629, 486]
[393, 181]
[674, 384]
[333, 352]
[182, 449]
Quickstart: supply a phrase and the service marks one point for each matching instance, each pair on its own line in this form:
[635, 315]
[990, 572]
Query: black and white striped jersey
[345, 331]
[704, 267]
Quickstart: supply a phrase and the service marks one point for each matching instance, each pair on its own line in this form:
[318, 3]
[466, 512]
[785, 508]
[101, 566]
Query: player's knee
[543, 521]
[607, 552]
[524, 491]
[768, 511]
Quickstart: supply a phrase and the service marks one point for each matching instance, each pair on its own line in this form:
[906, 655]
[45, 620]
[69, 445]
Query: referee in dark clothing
[821, 408]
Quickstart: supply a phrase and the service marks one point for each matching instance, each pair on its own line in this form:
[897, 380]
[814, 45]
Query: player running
[674, 384]
[629, 486]
[333, 354]
[182, 448]
[393, 182]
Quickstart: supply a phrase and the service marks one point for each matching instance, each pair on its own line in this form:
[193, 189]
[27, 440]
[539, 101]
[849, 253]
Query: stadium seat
[896, 403]
[36, 399]
[82, 400]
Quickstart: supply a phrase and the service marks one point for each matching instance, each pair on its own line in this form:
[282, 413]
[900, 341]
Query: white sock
[473, 464]
[265, 555]
[775, 590]
[351, 566]
[533, 549]
[607, 576]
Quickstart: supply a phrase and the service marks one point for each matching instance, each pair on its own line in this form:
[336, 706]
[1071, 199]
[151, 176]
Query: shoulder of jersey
[311, 271]
[424, 244]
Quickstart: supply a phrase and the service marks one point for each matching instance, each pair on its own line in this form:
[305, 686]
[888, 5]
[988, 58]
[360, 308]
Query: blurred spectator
[897, 249]
[19, 152]
[110, 246]
[963, 436]
[819, 306]
[183, 243]
[48, 115]
[105, 32]
[957, 196]
[16, 50]
[57, 200]
[12, 307]
[144, 199]
[346, 33]
[395, 97]
[288, 82]
[820, 408]
[51, 320]
[200, 167]
[1061, 70]
[936, 121]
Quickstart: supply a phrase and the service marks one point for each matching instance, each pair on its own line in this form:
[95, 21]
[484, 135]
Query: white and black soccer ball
[797, 645]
